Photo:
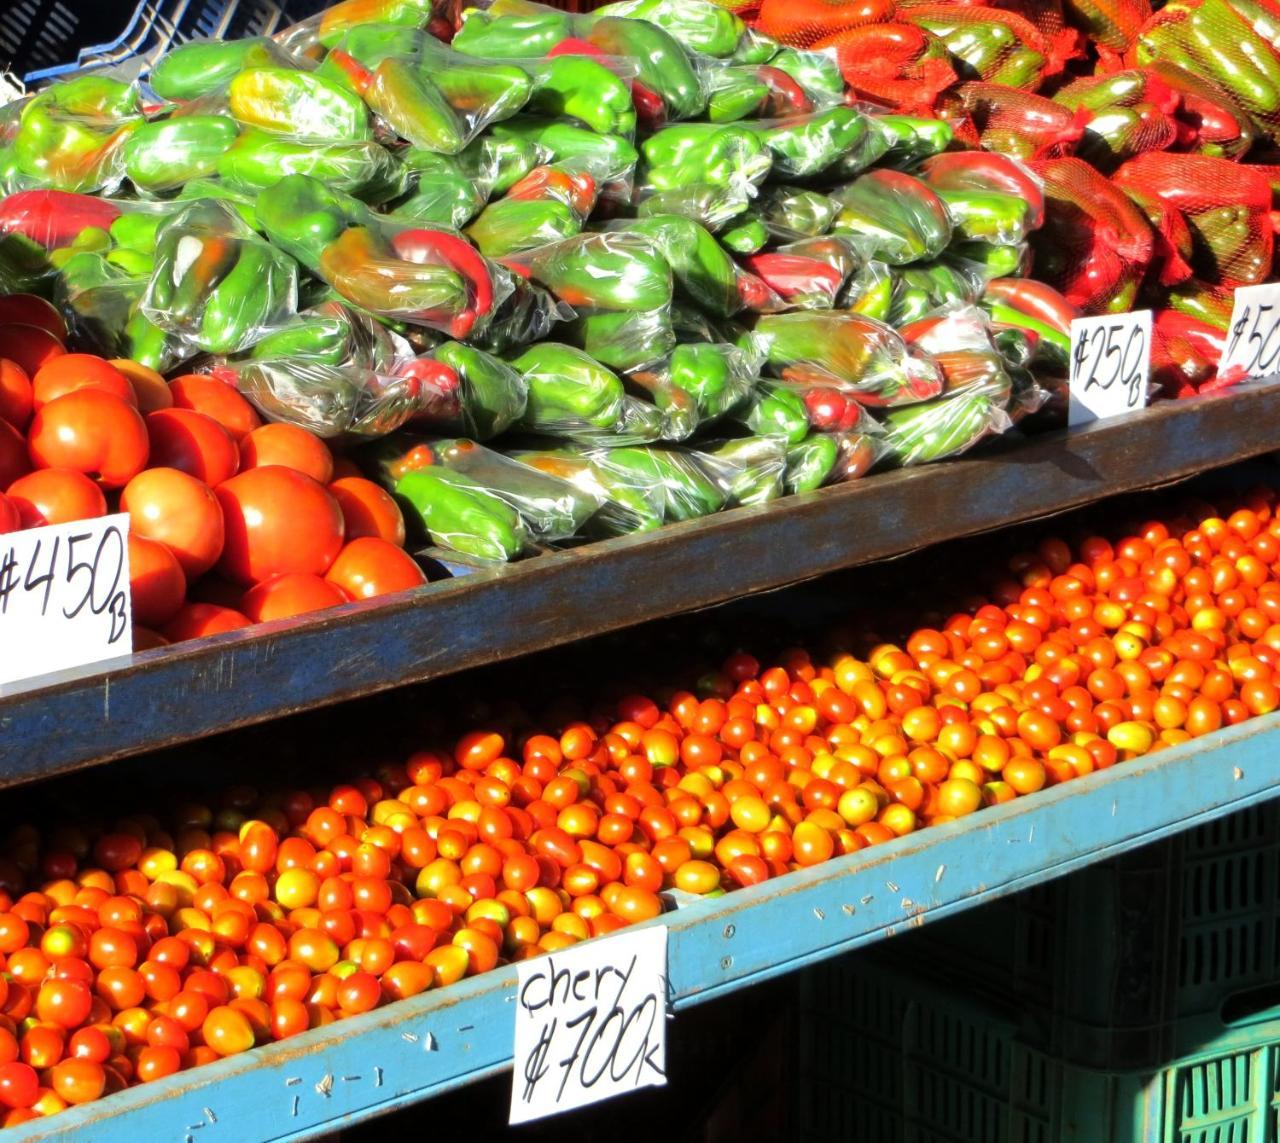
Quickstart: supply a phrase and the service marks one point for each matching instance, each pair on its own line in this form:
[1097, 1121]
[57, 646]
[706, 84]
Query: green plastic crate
[1119, 956]
[883, 1055]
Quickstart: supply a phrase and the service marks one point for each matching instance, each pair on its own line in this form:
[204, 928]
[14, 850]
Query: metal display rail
[409, 1051]
[160, 698]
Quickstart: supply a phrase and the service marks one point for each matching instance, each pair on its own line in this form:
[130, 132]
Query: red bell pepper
[52, 217]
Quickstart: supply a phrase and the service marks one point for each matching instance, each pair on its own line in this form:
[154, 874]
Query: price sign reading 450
[591, 1022]
[1253, 338]
[1110, 365]
[64, 597]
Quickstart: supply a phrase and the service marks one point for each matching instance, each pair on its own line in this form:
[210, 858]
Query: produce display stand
[161, 698]
[409, 1051]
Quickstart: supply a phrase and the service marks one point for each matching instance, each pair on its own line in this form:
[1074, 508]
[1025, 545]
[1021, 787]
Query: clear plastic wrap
[195, 68]
[447, 190]
[288, 101]
[714, 207]
[792, 410]
[624, 508]
[716, 377]
[687, 155]
[425, 276]
[944, 427]
[849, 354]
[807, 145]
[869, 292]
[926, 286]
[327, 28]
[548, 205]
[830, 458]
[481, 503]
[363, 168]
[601, 272]
[674, 479]
[624, 341]
[751, 470]
[893, 217]
[792, 213]
[217, 286]
[700, 26]
[526, 314]
[799, 280]
[990, 197]
[563, 141]
[572, 395]
[72, 135]
[165, 154]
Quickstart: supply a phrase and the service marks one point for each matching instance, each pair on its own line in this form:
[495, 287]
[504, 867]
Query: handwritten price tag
[64, 597]
[1110, 365]
[590, 1024]
[1253, 338]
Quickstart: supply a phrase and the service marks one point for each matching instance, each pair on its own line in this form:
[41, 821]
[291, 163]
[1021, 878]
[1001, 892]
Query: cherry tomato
[368, 566]
[277, 521]
[92, 432]
[180, 512]
[194, 443]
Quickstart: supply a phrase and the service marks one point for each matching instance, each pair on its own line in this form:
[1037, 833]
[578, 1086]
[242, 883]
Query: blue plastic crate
[882, 1054]
[58, 40]
[1116, 955]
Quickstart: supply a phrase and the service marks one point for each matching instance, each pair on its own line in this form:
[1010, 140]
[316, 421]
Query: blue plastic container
[48, 38]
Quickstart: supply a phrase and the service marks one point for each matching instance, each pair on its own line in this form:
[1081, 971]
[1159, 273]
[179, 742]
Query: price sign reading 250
[590, 1023]
[1110, 365]
[1253, 337]
[64, 597]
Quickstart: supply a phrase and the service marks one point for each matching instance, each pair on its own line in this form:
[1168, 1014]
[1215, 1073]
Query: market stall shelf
[415, 1049]
[63, 723]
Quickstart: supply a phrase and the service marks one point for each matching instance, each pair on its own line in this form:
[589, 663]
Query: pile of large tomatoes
[231, 521]
[153, 946]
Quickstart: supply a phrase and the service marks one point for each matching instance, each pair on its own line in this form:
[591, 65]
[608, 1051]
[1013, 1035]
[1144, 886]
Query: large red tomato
[195, 620]
[156, 581]
[150, 389]
[290, 446]
[74, 371]
[10, 521]
[282, 596]
[277, 521]
[28, 309]
[368, 510]
[56, 496]
[92, 432]
[193, 443]
[215, 399]
[180, 512]
[368, 566]
[29, 345]
[14, 460]
[15, 394]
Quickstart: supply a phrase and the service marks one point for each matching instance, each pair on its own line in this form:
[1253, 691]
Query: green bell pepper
[584, 89]
[811, 462]
[260, 159]
[191, 70]
[297, 103]
[896, 217]
[699, 26]
[700, 266]
[664, 66]
[460, 513]
[169, 152]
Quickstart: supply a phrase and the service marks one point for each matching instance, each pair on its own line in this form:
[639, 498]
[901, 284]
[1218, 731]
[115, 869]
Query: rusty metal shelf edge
[410, 1051]
[164, 697]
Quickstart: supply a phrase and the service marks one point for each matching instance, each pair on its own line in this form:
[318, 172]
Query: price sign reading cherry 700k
[1110, 365]
[64, 597]
[1253, 338]
[590, 1023]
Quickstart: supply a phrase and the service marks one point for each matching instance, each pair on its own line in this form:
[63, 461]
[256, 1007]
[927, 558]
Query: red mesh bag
[1184, 356]
[994, 45]
[1171, 239]
[1096, 244]
[898, 65]
[1131, 112]
[1234, 47]
[1227, 207]
[802, 23]
[1203, 301]
[1112, 25]
[1064, 42]
[1012, 122]
[1209, 118]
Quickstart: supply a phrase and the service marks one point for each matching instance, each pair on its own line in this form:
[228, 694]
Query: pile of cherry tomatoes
[130, 954]
[231, 521]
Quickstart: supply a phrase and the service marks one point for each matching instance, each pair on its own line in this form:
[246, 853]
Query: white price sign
[1253, 337]
[64, 597]
[1110, 366]
[590, 1023]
